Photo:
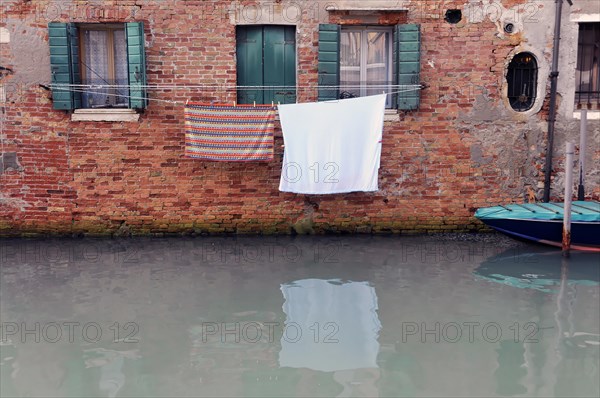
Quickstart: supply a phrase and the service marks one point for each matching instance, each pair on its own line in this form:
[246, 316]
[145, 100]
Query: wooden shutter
[329, 61]
[63, 39]
[136, 64]
[407, 64]
[249, 50]
[279, 64]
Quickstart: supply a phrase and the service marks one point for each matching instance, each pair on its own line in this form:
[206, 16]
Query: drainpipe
[552, 111]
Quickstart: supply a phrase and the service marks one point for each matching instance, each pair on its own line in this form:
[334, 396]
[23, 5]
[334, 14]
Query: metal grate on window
[587, 76]
[522, 81]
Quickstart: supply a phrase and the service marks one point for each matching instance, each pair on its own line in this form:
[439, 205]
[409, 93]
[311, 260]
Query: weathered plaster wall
[464, 148]
[568, 123]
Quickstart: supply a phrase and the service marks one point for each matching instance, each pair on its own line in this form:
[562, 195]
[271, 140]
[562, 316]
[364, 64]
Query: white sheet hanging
[332, 146]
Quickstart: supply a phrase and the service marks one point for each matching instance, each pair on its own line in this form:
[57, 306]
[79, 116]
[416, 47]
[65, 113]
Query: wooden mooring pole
[566, 238]
[582, 140]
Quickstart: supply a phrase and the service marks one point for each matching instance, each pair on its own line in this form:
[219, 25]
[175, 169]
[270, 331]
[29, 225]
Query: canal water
[361, 316]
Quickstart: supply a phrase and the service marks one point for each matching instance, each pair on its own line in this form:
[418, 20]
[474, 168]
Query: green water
[312, 316]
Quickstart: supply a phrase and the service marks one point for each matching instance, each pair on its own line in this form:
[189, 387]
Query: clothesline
[182, 102]
[319, 157]
[232, 87]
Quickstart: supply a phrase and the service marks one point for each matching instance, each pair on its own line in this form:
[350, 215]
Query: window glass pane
[350, 62]
[377, 61]
[587, 77]
[120, 51]
[95, 66]
[365, 61]
[521, 77]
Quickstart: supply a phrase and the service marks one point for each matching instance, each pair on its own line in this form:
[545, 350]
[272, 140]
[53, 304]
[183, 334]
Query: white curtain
[95, 65]
[350, 62]
[377, 60]
[96, 68]
[364, 61]
[120, 49]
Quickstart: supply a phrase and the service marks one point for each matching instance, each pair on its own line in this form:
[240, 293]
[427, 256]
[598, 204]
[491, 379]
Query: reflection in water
[173, 288]
[540, 270]
[547, 272]
[330, 325]
[511, 369]
[111, 364]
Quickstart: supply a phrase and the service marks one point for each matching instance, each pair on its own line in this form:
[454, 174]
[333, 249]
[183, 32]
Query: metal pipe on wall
[552, 110]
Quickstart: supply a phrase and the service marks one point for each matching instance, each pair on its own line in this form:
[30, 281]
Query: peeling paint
[17, 203]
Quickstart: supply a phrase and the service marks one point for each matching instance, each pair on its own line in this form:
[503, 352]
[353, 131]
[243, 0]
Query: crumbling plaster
[526, 139]
[30, 54]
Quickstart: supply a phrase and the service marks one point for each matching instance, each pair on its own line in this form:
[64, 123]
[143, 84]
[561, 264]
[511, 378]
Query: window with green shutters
[356, 61]
[98, 65]
[266, 57]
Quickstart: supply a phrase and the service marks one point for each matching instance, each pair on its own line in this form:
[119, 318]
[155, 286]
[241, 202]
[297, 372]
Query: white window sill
[391, 115]
[591, 115]
[105, 115]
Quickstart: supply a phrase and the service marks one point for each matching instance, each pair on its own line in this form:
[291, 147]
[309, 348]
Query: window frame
[110, 28]
[363, 67]
[512, 99]
[592, 96]
[64, 46]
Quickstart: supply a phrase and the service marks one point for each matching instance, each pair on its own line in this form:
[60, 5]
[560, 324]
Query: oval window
[522, 81]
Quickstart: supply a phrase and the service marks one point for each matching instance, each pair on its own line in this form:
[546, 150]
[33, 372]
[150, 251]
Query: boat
[543, 222]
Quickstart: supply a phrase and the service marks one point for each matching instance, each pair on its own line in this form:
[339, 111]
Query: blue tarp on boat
[581, 211]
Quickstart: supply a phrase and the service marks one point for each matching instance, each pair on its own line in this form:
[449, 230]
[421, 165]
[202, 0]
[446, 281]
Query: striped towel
[239, 133]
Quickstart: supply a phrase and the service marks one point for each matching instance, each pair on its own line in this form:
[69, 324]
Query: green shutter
[249, 50]
[75, 62]
[279, 64]
[329, 61]
[289, 66]
[63, 39]
[136, 63]
[407, 64]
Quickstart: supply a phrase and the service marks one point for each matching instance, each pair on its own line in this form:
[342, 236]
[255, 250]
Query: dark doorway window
[522, 81]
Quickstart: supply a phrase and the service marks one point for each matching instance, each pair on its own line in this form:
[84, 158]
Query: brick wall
[438, 163]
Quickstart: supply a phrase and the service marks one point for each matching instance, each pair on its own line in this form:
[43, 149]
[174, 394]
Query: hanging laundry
[239, 133]
[333, 146]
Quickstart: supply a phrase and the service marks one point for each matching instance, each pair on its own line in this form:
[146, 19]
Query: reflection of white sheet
[350, 306]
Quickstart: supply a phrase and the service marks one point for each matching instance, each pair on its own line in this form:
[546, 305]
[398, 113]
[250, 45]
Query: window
[587, 75]
[266, 56]
[521, 77]
[365, 61]
[357, 61]
[104, 56]
[104, 62]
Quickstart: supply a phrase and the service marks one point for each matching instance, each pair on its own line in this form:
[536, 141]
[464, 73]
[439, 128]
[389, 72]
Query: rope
[230, 87]
[180, 102]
